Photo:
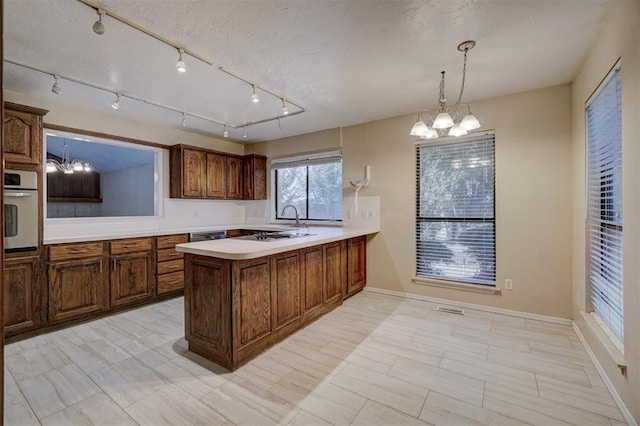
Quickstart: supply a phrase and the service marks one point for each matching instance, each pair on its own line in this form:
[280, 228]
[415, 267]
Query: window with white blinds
[312, 184]
[455, 211]
[604, 202]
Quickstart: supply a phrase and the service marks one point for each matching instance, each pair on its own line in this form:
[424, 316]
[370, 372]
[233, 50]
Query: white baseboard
[607, 382]
[477, 307]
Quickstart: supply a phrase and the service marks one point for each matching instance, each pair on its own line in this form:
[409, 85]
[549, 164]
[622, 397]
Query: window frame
[421, 277]
[306, 161]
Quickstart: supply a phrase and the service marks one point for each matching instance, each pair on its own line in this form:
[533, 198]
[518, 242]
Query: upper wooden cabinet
[254, 171]
[201, 173]
[22, 134]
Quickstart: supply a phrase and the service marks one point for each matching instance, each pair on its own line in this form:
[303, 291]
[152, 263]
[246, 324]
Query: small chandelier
[445, 117]
[67, 166]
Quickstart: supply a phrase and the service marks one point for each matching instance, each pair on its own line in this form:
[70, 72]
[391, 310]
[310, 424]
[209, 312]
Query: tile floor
[375, 360]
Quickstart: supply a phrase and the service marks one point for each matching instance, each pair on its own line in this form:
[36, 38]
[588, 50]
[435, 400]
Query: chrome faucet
[296, 212]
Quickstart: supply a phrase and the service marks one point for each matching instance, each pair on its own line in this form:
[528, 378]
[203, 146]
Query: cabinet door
[285, 288]
[234, 178]
[356, 264]
[76, 288]
[312, 277]
[22, 137]
[334, 270]
[254, 186]
[252, 300]
[216, 176]
[21, 291]
[132, 278]
[194, 173]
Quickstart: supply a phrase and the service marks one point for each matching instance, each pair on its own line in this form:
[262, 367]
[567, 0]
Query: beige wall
[325, 140]
[533, 207]
[117, 123]
[619, 38]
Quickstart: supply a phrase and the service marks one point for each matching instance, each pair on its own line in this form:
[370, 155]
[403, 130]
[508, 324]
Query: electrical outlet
[508, 284]
[370, 214]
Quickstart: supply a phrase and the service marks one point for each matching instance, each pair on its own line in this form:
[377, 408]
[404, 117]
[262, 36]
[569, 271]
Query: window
[604, 202]
[312, 185]
[455, 212]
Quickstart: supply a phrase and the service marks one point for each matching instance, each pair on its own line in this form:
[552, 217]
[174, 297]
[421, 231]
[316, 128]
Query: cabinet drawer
[131, 246]
[170, 282]
[169, 241]
[169, 254]
[74, 251]
[170, 266]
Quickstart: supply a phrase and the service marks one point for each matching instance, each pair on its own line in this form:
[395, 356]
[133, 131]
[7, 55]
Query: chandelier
[67, 166]
[446, 117]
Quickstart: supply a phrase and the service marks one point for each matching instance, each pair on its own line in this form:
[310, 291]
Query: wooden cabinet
[132, 271]
[201, 173]
[233, 189]
[254, 177]
[335, 270]
[170, 266]
[252, 300]
[22, 134]
[216, 176]
[77, 284]
[356, 264]
[22, 294]
[285, 288]
[313, 277]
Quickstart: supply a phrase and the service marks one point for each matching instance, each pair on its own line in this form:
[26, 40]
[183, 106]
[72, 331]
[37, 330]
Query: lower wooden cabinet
[132, 278]
[285, 288]
[76, 288]
[335, 271]
[22, 295]
[170, 266]
[356, 264]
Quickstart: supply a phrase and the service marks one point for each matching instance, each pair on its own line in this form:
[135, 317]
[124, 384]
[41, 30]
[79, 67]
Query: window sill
[602, 336]
[304, 222]
[477, 288]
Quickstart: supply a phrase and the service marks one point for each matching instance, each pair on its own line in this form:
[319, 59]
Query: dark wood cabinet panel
[132, 278]
[75, 251]
[285, 288]
[83, 187]
[234, 178]
[356, 264]
[335, 270]
[252, 300]
[216, 176]
[312, 277]
[22, 127]
[76, 288]
[170, 241]
[21, 294]
[131, 245]
[195, 173]
[254, 169]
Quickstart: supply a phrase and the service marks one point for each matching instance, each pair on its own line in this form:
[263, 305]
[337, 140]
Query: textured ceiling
[346, 62]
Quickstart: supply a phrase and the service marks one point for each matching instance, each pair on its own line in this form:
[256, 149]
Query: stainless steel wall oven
[20, 211]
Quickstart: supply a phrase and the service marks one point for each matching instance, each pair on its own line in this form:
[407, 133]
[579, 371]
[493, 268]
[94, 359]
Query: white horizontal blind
[455, 211]
[604, 202]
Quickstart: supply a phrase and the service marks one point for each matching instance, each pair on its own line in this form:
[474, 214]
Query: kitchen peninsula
[243, 296]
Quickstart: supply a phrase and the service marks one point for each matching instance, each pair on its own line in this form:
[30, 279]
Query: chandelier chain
[464, 74]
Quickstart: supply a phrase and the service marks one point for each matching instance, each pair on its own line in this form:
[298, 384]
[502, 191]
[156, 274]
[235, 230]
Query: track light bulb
[254, 98]
[183, 122]
[180, 65]
[116, 103]
[98, 26]
[285, 110]
[226, 132]
[56, 86]
[244, 133]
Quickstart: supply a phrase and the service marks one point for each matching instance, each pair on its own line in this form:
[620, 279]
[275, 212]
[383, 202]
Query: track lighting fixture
[244, 132]
[254, 98]
[285, 110]
[116, 103]
[98, 26]
[56, 86]
[226, 132]
[180, 65]
[183, 122]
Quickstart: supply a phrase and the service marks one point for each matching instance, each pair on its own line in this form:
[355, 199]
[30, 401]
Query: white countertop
[158, 232]
[238, 249]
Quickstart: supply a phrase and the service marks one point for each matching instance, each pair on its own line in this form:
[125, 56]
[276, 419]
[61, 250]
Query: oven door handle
[18, 194]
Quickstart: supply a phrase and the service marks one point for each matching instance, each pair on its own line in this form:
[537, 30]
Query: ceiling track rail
[185, 50]
[146, 101]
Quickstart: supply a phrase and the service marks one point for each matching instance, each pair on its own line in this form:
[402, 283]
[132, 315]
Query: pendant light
[446, 117]
[67, 166]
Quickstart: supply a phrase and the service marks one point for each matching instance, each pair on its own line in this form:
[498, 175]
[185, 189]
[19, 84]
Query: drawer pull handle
[174, 266]
[174, 282]
[77, 251]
